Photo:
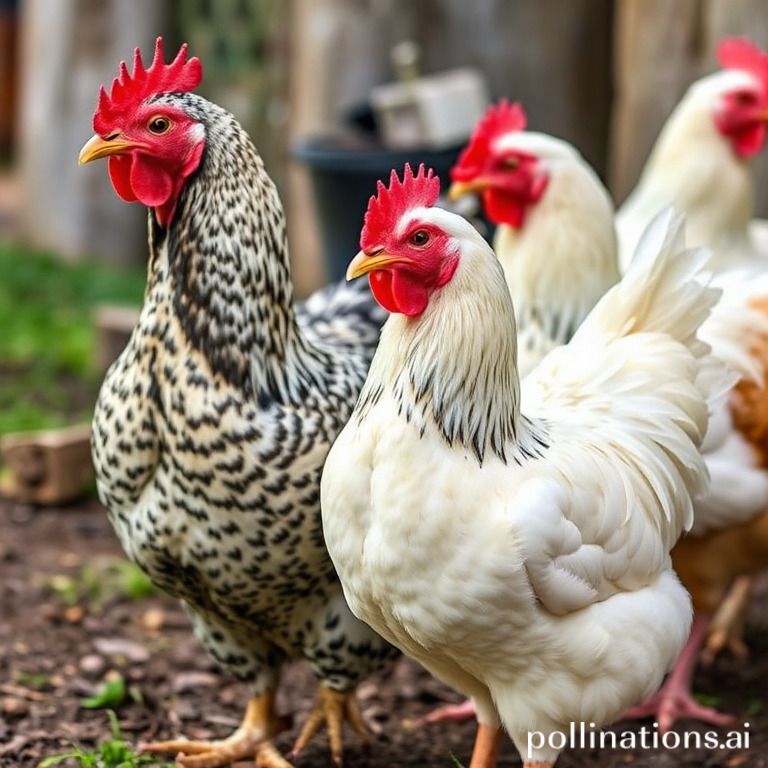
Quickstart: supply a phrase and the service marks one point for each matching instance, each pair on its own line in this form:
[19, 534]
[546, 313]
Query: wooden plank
[51, 467]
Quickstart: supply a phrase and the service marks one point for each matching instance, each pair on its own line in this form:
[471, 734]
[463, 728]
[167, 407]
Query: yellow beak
[460, 188]
[96, 148]
[364, 263]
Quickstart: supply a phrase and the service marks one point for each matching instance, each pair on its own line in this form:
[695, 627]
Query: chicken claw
[332, 708]
[727, 628]
[674, 701]
[249, 741]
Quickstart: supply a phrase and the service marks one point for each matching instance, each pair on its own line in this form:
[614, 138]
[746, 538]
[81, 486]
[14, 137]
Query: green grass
[46, 336]
[112, 753]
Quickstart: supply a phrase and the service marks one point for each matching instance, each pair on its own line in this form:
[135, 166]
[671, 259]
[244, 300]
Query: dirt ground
[56, 648]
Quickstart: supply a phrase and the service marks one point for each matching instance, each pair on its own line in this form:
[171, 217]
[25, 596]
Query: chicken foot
[249, 741]
[332, 708]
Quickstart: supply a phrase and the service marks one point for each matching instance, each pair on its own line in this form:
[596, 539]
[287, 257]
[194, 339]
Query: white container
[438, 111]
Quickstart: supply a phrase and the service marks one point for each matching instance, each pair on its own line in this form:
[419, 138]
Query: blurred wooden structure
[552, 56]
[243, 45]
[603, 74]
[661, 47]
[113, 326]
[68, 49]
[51, 467]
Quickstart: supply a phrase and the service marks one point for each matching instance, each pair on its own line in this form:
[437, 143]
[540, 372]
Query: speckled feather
[212, 427]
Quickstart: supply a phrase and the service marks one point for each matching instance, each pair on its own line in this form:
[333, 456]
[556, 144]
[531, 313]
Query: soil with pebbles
[56, 651]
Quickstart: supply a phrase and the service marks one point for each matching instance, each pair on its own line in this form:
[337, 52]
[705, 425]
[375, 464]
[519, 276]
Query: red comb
[501, 118]
[130, 89]
[389, 203]
[741, 53]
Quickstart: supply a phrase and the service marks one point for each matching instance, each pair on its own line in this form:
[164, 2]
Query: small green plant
[754, 708]
[131, 581]
[66, 589]
[707, 699]
[455, 761]
[113, 753]
[111, 694]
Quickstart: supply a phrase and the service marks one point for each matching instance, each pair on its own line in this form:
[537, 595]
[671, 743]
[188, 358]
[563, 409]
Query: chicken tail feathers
[666, 289]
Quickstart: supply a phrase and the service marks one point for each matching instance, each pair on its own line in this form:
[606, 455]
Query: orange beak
[364, 263]
[460, 188]
[96, 148]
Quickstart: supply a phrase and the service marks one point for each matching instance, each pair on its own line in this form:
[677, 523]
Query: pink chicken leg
[674, 700]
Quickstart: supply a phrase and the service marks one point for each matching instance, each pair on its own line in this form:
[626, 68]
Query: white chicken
[555, 235]
[700, 163]
[521, 554]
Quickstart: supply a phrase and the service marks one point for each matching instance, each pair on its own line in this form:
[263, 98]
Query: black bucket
[344, 170]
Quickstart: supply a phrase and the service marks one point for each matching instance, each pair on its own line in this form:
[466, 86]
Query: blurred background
[327, 89]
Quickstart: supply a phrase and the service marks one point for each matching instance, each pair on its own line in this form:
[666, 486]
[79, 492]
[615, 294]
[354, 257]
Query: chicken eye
[419, 237]
[509, 163]
[159, 124]
[743, 98]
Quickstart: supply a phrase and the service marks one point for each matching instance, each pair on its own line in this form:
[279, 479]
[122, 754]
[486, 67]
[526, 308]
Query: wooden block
[113, 326]
[50, 467]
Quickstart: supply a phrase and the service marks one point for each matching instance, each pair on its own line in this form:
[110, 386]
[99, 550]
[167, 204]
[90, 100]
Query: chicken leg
[727, 627]
[673, 700]
[332, 708]
[249, 741]
[485, 753]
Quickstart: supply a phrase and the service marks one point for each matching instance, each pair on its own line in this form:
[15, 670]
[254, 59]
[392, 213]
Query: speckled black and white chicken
[212, 427]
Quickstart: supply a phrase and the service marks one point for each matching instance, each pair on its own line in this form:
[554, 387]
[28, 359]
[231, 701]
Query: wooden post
[68, 49]
[552, 56]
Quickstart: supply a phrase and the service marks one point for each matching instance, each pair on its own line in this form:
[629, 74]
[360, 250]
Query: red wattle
[749, 141]
[120, 174]
[396, 291]
[150, 183]
[503, 208]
